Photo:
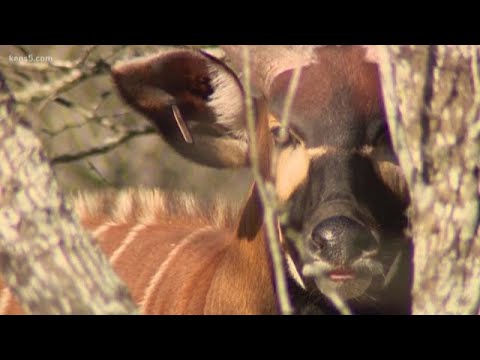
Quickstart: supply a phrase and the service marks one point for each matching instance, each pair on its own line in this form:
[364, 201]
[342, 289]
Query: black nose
[340, 240]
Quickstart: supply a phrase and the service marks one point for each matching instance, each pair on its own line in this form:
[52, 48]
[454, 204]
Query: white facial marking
[294, 162]
[320, 151]
[292, 171]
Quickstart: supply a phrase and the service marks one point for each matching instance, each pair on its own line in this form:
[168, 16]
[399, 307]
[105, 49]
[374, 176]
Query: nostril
[328, 231]
[324, 237]
[317, 245]
[340, 239]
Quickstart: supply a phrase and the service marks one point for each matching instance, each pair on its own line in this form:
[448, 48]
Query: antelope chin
[345, 286]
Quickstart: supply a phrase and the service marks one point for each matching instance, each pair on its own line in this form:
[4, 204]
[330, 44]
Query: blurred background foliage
[87, 113]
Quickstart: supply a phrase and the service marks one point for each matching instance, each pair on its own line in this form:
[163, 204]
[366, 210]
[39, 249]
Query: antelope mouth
[347, 282]
[341, 275]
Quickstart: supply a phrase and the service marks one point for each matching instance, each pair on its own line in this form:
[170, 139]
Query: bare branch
[72, 75]
[99, 174]
[46, 258]
[442, 141]
[292, 90]
[21, 49]
[109, 145]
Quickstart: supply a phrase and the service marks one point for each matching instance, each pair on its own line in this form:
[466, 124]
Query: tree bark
[432, 97]
[46, 258]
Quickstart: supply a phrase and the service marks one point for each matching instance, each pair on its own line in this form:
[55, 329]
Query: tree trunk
[46, 258]
[432, 96]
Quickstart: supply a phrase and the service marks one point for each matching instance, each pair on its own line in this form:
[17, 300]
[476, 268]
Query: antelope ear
[193, 99]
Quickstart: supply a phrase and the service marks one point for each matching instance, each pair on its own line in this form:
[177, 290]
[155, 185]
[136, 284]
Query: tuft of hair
[153, 206]
[227, 100]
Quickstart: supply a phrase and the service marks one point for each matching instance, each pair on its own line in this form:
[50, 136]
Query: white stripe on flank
[147, 206]
[171, 258]
[132, 234]
[99, 230]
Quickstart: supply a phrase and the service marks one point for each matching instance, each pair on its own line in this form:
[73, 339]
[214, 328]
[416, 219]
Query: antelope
[337, 175]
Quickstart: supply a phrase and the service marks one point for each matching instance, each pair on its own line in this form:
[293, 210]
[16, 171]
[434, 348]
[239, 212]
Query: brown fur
[179, 261]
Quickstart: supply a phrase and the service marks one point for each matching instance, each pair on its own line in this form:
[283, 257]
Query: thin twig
[49, 65]
[86, 53]
[114, 52]
[99, 174]
[287, 106]
[22, 49]
[100, 120]
[285, 119]
[53, 88]
[265, 192]
[110, 145]
[90, 116]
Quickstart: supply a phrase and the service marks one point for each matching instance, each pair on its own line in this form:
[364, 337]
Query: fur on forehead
[269, 61]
